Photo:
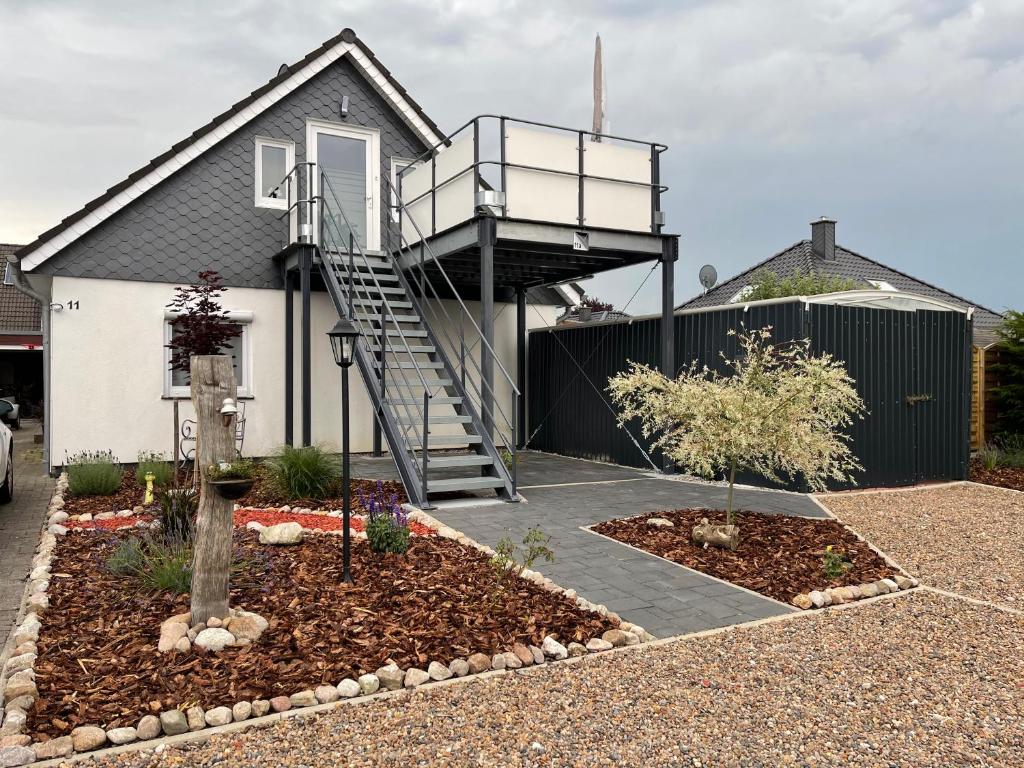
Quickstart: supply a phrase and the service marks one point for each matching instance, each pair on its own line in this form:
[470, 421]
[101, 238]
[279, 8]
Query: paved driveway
[563, 496]
[20, 523]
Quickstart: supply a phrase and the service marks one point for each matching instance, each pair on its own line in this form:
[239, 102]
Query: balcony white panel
[455, 190]
[416, 182]
[612, 204]
[542, 195]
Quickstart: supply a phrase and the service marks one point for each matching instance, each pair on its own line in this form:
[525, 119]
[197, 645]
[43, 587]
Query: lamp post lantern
[343, 341]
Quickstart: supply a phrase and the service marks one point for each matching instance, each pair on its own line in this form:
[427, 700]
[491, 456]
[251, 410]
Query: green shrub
[385, 534]
[990, 456]
[239, 469]
[768, 285]
[302, 473]
[178, 507]
[155, 464]
[93, 473]
[159, 564]
[834, 564]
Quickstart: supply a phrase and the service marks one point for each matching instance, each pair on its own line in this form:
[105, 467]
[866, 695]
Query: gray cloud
[901, 118]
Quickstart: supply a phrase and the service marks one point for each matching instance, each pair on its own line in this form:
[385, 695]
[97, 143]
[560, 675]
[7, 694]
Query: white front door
[347, 176]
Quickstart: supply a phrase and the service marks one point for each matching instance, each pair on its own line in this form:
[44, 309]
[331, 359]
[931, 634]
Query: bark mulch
[778, 556]
[1004, 477]
[128, 496]
[98, 662]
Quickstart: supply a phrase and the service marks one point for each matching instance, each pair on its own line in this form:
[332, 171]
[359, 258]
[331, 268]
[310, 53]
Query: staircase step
[451, 419]
[409, 333]
[442, 461]
[393, 303]
[463, 484]
[399, 348]
[419, 400]
[397, 318]
[446, 439]
[374, 290]
[412, 365]
[415, 383]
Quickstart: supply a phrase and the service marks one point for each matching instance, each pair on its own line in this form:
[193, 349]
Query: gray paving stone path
[20, 524]
[564, 496]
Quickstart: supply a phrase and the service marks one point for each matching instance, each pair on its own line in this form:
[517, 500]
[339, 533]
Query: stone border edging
[84, 741]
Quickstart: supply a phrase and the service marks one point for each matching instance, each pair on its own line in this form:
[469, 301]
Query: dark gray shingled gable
[204, 215]
[849, 264]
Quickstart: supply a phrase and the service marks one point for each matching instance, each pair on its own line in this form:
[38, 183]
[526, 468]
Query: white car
[7, 416]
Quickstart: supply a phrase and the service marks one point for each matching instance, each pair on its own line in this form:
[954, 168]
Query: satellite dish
[708, 277]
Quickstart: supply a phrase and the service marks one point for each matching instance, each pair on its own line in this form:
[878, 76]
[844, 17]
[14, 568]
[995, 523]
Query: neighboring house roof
[159, 168]
[19, 314]
[848, 264]
[578, 316]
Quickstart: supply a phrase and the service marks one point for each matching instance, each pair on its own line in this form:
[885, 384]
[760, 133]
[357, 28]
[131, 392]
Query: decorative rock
[14, 722]
[20, 740]
[325, 694]
[183, 644]
[882, 587]
[523, 654]
[88, 737]
[59, 747]
[173, 722]
[438, 671]
[854, 591]
[122, 735]
[803, 602]
[12, 756]
[170, 634]
[902, 582]
[660, 522]
[214, 639]
[414, 678]
[391, 677]
[817, 598]
[148, 727]
[596, 645]
[827, 597]
[104, 515]
[576, 649]
[892, 585]
[914, 582]
[498, 661]
[459, 667]
[538, 655]
[181, 618]
[241, 711]
[869, 590]
[554, 649]
[367, 684]
[214, 622]
[478, 663]
[196, 718]
[21, 704]
[19, 663]
[303, 699]
[37, 603]
[280, 704]
[282, 533]
[254, 525]
[218, 716]
[245, 625]
[86, 518]
[260, 707]
[58, 517]
[614, 636]
[632, 639]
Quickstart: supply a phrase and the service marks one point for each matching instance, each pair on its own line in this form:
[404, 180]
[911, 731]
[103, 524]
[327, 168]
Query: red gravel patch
[1003, 477]
[98, 662]
[778, 556]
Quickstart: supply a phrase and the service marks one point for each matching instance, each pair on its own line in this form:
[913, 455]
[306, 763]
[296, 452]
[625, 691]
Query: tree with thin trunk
[781, 411]
[212, 380]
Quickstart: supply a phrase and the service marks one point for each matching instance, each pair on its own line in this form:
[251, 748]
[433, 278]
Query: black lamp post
[343, 341]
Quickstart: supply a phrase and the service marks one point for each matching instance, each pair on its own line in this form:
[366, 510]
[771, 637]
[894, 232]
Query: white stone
[14, 722]
[553, 649]
[19, 663]
[459, 667]
[660, 522]
[241, 711]
[13, 756]
[349, 688]
[57, 530]
[86, 518]
[214, 639]
[438, 671]
[891, 584]
[105, 515]
[214, 623]
[218, 716]
[390, 677]
[325, 694]
[367, 684]
[282, 533]
[414, 678]
[817, 598]
[254, 525]
[148, 727]
[245, 625]
[122, 735]
[596, 645]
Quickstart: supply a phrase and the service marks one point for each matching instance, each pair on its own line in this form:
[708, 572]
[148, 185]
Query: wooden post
[213, 379]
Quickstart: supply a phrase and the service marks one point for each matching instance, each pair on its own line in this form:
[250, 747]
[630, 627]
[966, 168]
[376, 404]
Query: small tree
[780, 412]
[1010, 391]
[594, 304]
[203, 326]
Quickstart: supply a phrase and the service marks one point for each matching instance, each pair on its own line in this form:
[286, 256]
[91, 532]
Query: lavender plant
[387, 523]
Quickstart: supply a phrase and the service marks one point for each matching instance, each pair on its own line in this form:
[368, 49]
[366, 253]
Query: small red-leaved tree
[202, 327]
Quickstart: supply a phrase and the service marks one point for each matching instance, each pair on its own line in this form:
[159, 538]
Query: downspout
[21, 284]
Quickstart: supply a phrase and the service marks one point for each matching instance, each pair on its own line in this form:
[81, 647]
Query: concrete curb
[988, 486]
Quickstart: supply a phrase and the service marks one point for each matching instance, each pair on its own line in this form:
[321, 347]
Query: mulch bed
[1004, 477]
[128, 496]
[778, 556]
[98, 662]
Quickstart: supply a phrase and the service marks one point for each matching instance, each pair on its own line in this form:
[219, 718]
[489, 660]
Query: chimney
[585, 314]
[823, 238]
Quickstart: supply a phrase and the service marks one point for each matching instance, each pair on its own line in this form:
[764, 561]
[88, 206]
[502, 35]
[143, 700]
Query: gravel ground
[965, 538]
[917, 680]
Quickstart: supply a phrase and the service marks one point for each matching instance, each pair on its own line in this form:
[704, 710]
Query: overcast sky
[901, 119]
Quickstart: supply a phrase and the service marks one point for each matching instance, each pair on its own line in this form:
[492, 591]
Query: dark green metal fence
[912, 369]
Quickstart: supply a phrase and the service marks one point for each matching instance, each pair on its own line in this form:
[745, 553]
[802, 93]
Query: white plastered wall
[108, 369]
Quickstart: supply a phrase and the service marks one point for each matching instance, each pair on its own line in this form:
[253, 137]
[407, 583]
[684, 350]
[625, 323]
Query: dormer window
[274, 159]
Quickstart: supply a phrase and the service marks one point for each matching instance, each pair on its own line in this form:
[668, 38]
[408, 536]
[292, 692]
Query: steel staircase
[432, 412]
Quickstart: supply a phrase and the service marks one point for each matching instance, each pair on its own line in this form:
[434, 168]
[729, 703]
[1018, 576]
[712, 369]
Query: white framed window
[882, 285]
[741, 294]
[240, 349]
[8, 275]
[397, 164]
[274, 158]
